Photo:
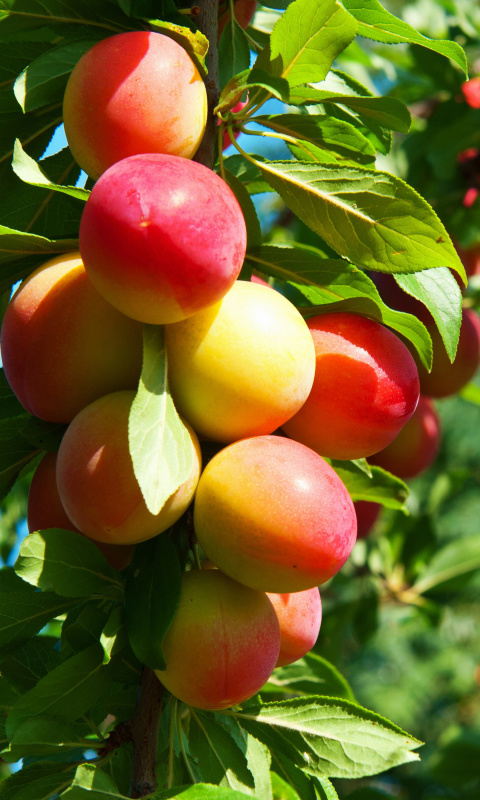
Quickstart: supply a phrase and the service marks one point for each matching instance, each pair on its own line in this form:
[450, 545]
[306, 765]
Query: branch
[207, 23]
[144, 730]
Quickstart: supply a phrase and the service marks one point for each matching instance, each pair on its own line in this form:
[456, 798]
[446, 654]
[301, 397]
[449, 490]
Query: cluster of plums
[162, 241]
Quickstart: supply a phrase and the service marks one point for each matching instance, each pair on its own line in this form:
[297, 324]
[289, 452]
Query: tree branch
[207, 23]
[144, 729]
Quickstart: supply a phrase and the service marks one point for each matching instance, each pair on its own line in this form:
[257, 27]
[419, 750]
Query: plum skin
[45, 510]
[273, 515]
[222, 644]
[108, 110]
[63, 345]
[242, 367]
[300, 617]
[162, 237]
[415, 448]
[365, 389]
[96, 482]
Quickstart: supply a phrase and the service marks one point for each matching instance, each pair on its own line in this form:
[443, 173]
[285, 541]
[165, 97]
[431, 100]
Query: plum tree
[45, 510]
[130, 242]
[108, 111]
[242, 367]
[243, 10]
[223, 643]
[300, 616]
[416, 446]
[61, 342]
[365, 388]
[96, 481]
[274, 515]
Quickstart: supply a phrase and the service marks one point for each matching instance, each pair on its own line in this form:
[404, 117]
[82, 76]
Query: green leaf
[306, 40]
[152, 592]
[15, 245]
[309, 280]
[194, 42]
[43, 736]
[325, 789]
[39, 780]
[90, 783]
[329, 737]
[43, 81]
[386, 112]
[160, 445]
[218, 758]
[378, 24]
[382, 487]
[257, 755]
[372, 218]
[299, 784]
[67, 692]
[29, 663]
[471, 393]
[67, 563]
[254, 231]
[327, 133]
[74, 18]
[312, 675]
[439, 291]
[114, 634]
[249, 79]
[201, 791]
[282, 790]
[30, 172]
[458, 558]
[233, 52]
[23, 614]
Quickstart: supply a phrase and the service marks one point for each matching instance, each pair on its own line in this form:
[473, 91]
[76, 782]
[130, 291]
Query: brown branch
[144, 733]
[207, 22]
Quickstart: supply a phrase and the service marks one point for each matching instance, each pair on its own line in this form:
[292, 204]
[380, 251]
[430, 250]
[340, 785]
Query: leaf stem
[182, 743]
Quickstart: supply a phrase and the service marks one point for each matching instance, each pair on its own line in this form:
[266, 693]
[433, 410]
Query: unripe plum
[365, 388]
[244, 11]
[300, 617]
[242, 367]
[162, 237]
[416, 446]
[45, 510]
[446, 378]
[96, 482]
[274, 515]
[63, 345]
[223, 643]
[135, 92]
[367, 515]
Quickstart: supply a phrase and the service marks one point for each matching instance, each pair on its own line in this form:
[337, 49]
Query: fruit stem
[207, 23]
[145, 726]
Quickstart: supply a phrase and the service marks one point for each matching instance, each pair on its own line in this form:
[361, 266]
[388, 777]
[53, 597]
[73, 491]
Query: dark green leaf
[219, 759]
[15, 245]
[29, 663]
[69, 564]
[382, 487]
[91, 783]
[458, 558]
[39, 780]
[152, 593]
[233, 52]
[254, 232]
[67, 692]
[249, 79]
[42, 736]
[44, 80]
[23, 614]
